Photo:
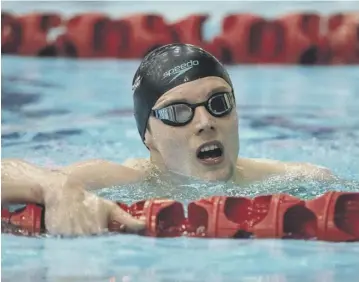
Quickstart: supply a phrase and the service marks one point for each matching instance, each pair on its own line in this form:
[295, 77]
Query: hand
[70, 210]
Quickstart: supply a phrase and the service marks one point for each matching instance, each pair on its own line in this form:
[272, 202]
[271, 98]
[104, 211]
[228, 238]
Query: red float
[337, 216]
[337, 20]
[29, 220]
[295, 38]
[190, 30]
[11, 34]
[164, 218]
[97, 36]
[146, 32]
[343, 43]
[85, 37]
[28, 35]
[333, 216]
[254, 40]
[308, 24]
[262, 217]
[233, 39]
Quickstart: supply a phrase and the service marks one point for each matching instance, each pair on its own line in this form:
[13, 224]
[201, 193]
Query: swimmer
[185, 111]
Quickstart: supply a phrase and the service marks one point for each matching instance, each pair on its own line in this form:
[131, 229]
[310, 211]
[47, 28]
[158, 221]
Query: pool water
[55, 112]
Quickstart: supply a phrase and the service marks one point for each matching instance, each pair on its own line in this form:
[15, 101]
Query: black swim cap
[166, 67]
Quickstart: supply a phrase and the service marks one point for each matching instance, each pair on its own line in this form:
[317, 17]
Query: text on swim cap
[136, 83]
[181, 69]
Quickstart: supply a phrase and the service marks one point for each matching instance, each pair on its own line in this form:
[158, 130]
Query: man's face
[207, 147]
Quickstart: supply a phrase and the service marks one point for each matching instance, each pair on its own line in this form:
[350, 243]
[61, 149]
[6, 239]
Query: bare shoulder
[24, 169]
[138, 164]
[20, 164]
[260, 169]
[89, 164]
[99, 173]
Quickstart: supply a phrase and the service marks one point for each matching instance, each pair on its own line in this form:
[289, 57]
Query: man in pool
[185, 112]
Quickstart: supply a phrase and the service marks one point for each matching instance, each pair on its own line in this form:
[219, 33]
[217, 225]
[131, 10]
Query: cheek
[230, 126]
[168, 138]
[231, 134]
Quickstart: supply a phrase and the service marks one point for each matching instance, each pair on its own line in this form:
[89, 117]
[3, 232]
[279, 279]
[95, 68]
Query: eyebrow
[209, 94]
[218, 89]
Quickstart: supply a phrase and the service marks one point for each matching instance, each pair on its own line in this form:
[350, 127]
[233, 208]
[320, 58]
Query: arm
[262, 176]
[308, 171]
[21, 182]
[97, 174]
[296, 173]
[262, 169]
[69, 209]
[24, 182]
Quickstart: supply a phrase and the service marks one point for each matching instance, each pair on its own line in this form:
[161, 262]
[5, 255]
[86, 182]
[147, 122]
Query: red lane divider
[296, 38]
[333, 216]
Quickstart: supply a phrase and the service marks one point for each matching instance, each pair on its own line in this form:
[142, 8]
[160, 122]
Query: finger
[119, 220]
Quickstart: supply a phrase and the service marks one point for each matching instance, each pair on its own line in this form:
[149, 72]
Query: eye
[220, 102]
[183, 112]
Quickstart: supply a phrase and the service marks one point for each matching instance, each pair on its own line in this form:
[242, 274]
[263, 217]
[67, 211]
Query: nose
[204, 122]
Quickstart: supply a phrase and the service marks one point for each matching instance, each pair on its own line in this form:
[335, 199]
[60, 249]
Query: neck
[162, 174]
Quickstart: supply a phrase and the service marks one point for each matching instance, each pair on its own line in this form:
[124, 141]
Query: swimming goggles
[180, 114]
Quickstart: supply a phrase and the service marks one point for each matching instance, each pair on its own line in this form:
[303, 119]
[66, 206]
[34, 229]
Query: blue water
[55, 112]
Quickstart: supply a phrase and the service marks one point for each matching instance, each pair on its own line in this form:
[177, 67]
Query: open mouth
[210, 152]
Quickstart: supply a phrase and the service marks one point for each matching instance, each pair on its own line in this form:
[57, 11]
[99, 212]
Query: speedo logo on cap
[136, 83]
[180, 69]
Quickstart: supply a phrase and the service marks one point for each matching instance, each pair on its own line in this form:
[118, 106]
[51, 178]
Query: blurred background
[238, 32]
[66, 96]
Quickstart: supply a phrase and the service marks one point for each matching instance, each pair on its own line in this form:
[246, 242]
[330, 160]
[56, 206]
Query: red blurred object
[252, 39]
[85, 36]
[11, 33]
[239, 217]
[28, 34]
[190, 30]
[337, 216]
[145, 32]
[333, 216]
[343, 44]
[164, 218]
[28, 220]
[308, 24]
[219, 217]
[294, 38]
[94, 35]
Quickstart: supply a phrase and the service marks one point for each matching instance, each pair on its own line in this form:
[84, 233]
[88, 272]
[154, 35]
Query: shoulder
[260, 169]
[138, 164]
[99, 173]
[100, 164]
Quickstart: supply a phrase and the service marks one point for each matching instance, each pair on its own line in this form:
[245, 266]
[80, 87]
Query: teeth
[209, 148]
